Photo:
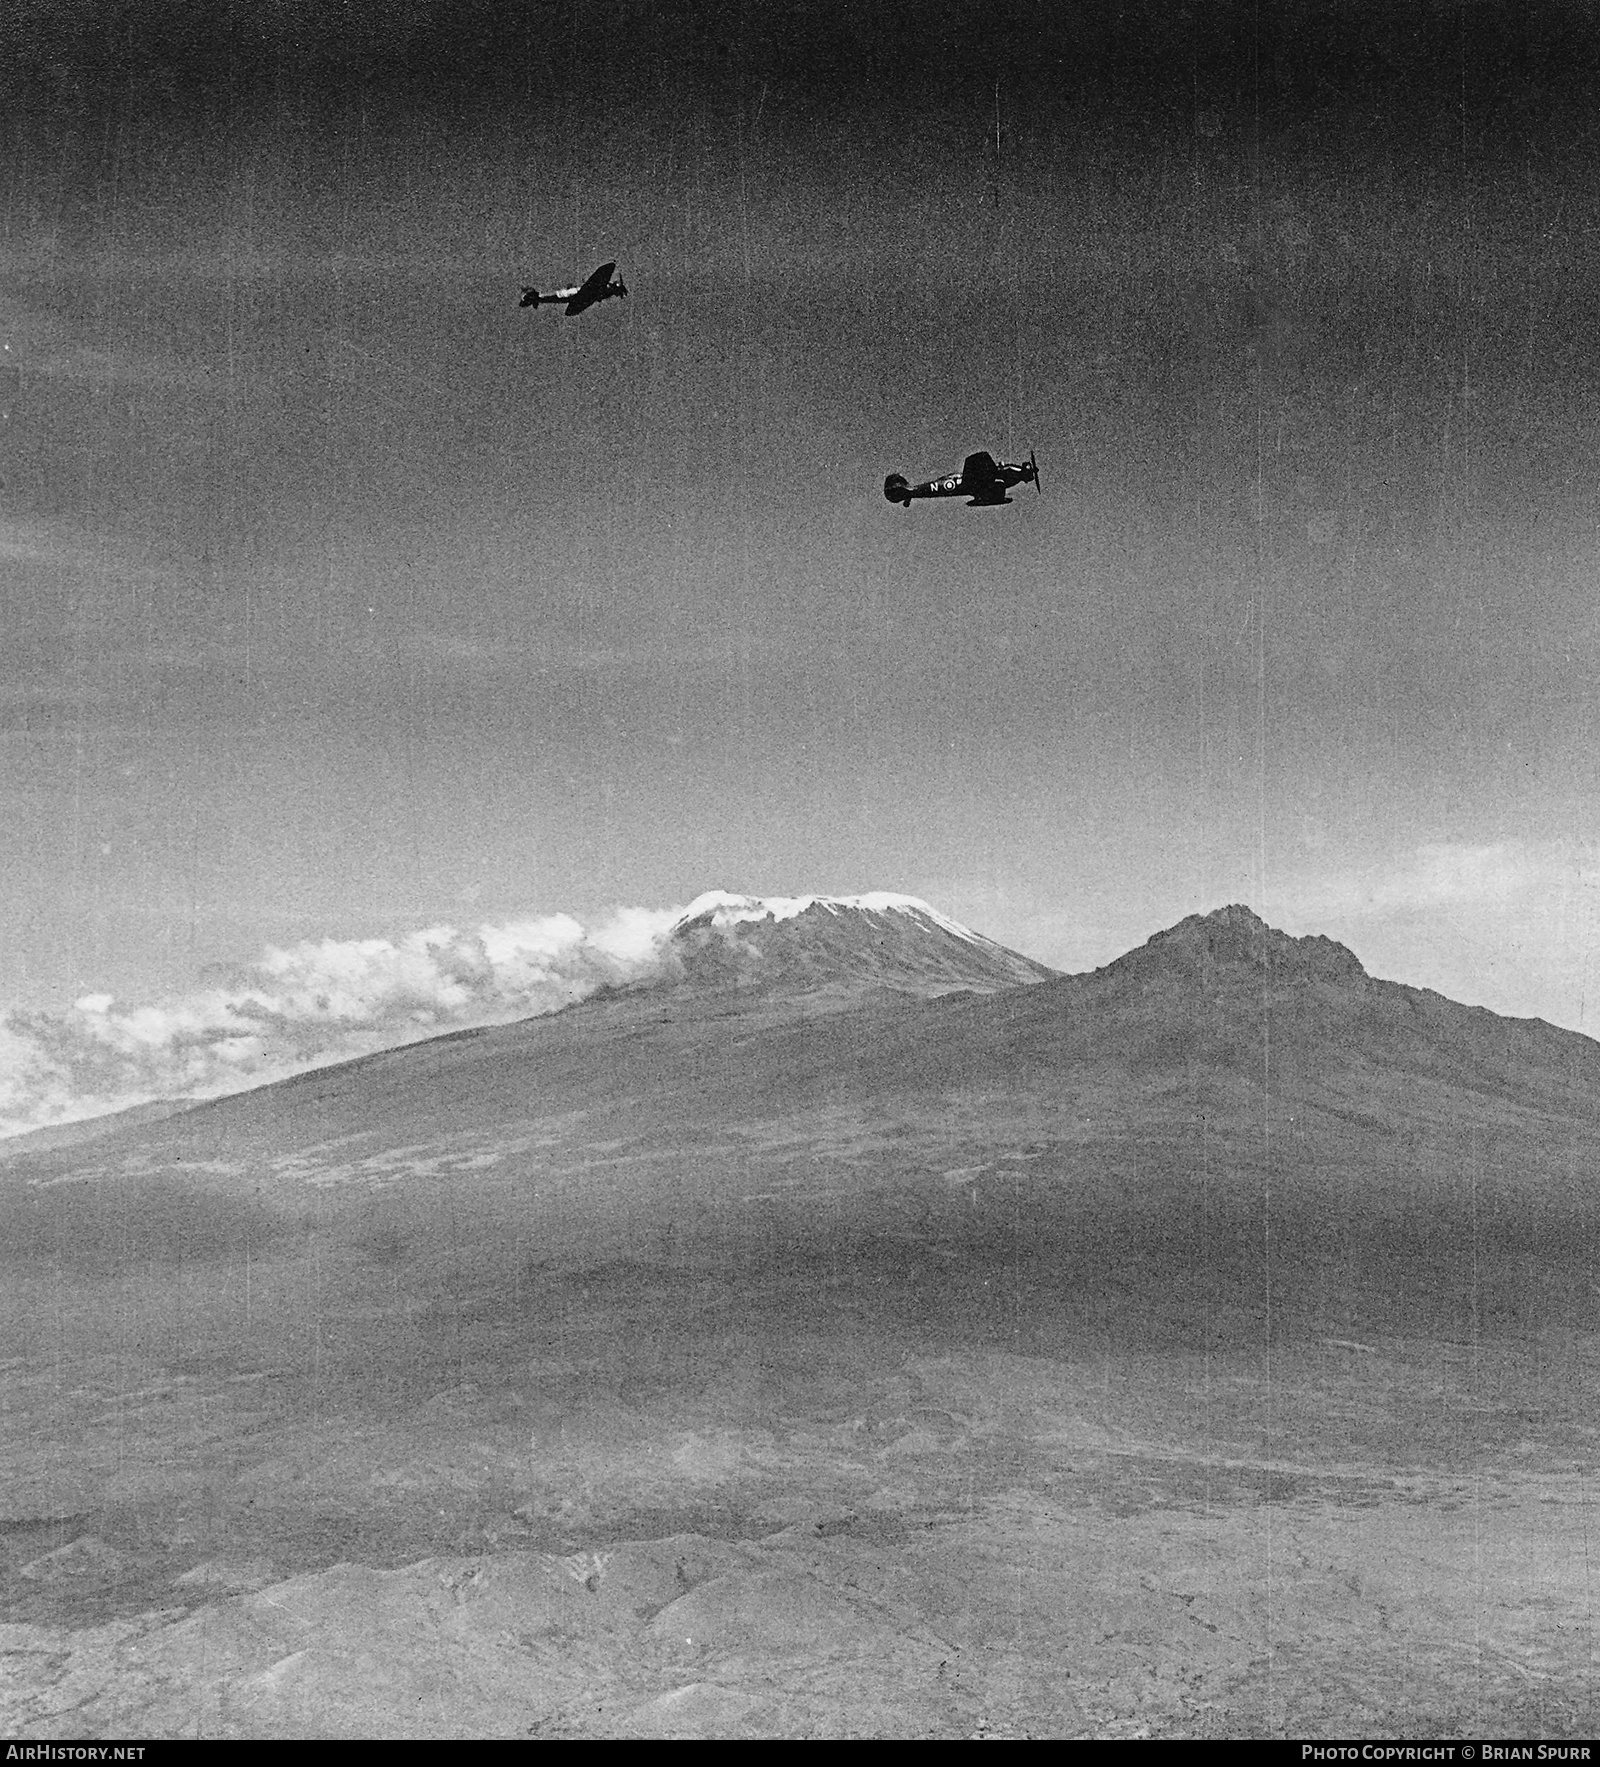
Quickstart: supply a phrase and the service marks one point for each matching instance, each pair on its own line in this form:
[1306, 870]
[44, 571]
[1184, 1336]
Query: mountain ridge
[1235, 932]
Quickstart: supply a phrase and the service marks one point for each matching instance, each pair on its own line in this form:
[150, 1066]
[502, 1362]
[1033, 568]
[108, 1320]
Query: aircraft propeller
[1035, 465]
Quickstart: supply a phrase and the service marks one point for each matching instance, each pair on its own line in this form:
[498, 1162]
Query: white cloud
[634, 935]
[309, 1004]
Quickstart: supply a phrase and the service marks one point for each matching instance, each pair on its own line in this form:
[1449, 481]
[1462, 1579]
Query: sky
[350, 608]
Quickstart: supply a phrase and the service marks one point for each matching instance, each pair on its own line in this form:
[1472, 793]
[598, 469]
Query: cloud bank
[306, 1005]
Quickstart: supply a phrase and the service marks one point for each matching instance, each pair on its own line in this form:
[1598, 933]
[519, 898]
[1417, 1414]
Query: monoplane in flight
[599, 287]
[982, 480]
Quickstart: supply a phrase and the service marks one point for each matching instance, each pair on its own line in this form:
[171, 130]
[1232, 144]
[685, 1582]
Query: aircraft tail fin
[530, 298]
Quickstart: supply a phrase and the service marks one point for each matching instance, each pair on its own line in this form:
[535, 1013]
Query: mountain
[837, 944]
[872, 1040]
[1224, 994]
[844, 1333]
[80, 1130]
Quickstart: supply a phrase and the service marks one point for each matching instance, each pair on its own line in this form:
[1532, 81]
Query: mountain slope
[894, 1349]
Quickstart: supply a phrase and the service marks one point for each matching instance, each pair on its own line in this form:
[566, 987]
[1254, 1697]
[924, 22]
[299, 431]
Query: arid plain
[859, 1332]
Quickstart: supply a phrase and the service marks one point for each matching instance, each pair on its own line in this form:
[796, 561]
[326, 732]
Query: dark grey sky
[343, 597]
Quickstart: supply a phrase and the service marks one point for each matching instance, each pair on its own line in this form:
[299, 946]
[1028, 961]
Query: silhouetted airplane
[599, 287]
[982, 479]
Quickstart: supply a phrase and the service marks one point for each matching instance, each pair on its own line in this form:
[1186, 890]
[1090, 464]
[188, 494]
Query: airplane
[982, 479]
[599, 287]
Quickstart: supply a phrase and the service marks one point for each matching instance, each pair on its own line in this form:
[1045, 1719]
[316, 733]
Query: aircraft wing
[979, 475]
[592, 290]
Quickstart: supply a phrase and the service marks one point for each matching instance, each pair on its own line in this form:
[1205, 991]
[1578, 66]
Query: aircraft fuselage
[945, 487]
[557, 296]
[982, 480]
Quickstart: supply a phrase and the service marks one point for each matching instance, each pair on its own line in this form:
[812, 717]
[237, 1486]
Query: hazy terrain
[857, 1332]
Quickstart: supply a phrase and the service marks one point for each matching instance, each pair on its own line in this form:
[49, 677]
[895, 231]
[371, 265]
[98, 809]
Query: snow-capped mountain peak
[838, 943]
[724, 909]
